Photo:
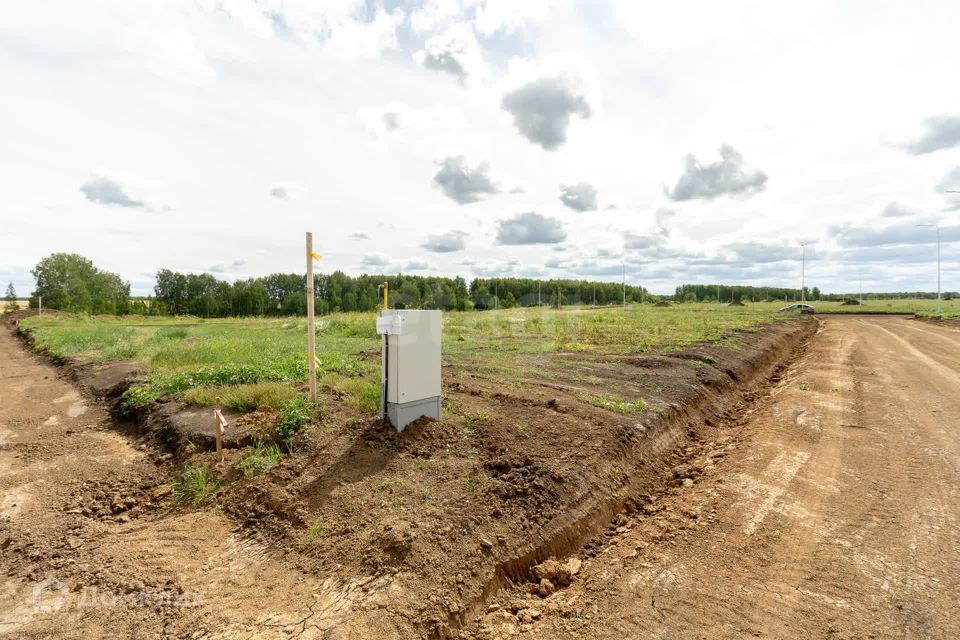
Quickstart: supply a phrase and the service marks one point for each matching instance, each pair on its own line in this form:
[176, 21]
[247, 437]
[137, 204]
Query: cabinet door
[417, 373]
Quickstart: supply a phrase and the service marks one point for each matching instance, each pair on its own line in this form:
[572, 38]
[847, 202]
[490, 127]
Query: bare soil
[828, 509]
[527, 510]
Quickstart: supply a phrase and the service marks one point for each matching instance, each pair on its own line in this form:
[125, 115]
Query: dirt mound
[13, 318]
[851, 302]
[736, 303]
[178, 425]
[662, 303]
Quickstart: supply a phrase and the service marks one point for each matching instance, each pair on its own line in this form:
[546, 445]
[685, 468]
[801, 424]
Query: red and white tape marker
[221, 421]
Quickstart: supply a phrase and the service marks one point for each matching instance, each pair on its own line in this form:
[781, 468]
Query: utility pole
[803, 269]
[538, 295]
[938, 259]
[861, 288]
[496, 295]
[624, 263]
[718, 293]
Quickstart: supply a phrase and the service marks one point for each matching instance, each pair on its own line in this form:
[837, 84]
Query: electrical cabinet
[410, 365]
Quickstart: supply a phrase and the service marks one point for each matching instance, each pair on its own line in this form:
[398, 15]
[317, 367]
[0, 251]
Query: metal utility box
[409, 365]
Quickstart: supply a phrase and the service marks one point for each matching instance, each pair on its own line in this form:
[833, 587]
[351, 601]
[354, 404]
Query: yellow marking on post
[315, 256]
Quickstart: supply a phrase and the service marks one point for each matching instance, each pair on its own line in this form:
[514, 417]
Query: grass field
[256, 362]
[950, 308]
[251, 362]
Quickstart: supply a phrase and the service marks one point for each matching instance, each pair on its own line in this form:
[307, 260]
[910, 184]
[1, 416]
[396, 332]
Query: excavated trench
[717, 406]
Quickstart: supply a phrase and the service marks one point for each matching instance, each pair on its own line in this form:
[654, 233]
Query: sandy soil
[830, 510]
[826, 507]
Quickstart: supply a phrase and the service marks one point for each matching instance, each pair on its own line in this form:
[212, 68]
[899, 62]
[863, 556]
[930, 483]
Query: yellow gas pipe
[386, 295]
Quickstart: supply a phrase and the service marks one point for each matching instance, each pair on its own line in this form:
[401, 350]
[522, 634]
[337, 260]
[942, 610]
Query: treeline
[896, 295]
[70, 282]
[527, 292]
[285, 294]
[738, 293]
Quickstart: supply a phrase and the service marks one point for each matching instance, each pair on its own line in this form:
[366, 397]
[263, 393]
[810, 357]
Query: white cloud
[446, 242]
[510, 15]
[375, 259]
[354, 38]
[579, 197]
[530, 228]
[712, 180]
[119, 189]
[542, 110]
[454, 52]
[940, 132]
[462, 183]
[287, 191]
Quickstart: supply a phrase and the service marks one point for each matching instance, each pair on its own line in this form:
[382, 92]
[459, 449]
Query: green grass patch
[318, 529]
[195, 486]
[616, 404]
[244, 397]
[260, 459]
[295, 414]
[137, 397]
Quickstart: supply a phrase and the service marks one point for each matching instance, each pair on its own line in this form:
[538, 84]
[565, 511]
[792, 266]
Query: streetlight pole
[803, 272]
[938, 261]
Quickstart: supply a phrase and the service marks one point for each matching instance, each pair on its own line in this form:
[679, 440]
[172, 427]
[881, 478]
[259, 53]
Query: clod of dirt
[662, 303]
[397, 538]
[851, 303]
[555, 574]
[685, 471]
[546, 588]
[527, 616]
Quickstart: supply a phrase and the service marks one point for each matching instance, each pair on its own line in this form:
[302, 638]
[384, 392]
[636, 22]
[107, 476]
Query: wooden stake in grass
[311, 335]
[219, 428]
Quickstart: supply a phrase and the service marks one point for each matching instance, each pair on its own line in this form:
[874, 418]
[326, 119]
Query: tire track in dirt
[162, 574]
[835, 514]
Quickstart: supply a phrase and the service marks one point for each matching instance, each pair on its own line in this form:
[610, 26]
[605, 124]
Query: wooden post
[217, 428]
[311, 322]
[40, 304]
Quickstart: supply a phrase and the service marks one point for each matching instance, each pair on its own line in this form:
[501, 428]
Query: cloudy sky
[696, 141]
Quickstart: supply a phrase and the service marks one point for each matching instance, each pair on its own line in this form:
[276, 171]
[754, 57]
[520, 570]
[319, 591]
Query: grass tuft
[244, 397]
[195, 486]
[260, 459]
[294, 415]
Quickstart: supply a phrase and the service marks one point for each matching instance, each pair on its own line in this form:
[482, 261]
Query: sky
[680, 142]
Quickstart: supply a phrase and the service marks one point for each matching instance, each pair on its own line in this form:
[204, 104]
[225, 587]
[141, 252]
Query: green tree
[70, 282]
[11, 299]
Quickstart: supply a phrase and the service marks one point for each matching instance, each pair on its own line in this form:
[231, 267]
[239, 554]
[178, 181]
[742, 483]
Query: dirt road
[832, 510]
[145, 574]
[829, 508]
